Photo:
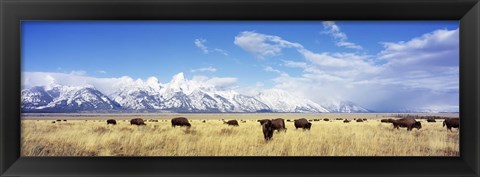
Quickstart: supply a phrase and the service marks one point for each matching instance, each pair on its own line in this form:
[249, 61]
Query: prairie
[89, 135]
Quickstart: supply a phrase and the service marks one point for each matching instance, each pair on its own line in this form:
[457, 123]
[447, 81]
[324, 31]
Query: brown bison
[288, 120]
[338, 119]
[231, 122]
[364, 119]
[346, 121]
[111, 121]
[359, 120]
[267, 128]
[137, 121]
[53, 122]
[59, 120]
[316, 120]
[262, 121]
[386, 120]
[64, 120]
[180, 121]
[326, 119]
[279, 124]
[431, 120]
[410, 123]
[451, 123]
[204, 121]
[302, 123]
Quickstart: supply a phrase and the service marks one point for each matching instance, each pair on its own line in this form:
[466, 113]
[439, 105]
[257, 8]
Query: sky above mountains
[379, 65]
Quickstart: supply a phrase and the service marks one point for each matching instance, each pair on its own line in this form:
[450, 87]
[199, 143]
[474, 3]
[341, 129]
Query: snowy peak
[281, 101]
[344, 107]
[179, 95]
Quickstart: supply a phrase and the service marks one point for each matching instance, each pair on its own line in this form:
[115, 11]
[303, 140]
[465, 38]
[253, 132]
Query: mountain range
[179, 95]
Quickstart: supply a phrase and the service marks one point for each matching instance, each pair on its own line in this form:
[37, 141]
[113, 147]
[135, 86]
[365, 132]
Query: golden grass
[213, 138]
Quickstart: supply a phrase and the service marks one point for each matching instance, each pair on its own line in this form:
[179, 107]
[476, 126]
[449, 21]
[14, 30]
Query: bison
[451, 123]
[316, 120]
[180, 121]
[53, 122]
[111, 121]
[204, 121]
[346, 121]
[302, 123]
[326, 119]
[279, 124]
[364, 119]
[137, 121]
[64, 120]
[338, 119]
[410, 123]
[359, 120]
[267, 128]
[262, 121]
[431, 119]
[231, 122]
[386, 120]
[59, 120]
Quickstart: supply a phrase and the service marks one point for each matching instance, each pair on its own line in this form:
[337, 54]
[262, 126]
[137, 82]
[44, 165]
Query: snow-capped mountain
[65, 99]
[281, 101]
[344, 107]
[179, 95]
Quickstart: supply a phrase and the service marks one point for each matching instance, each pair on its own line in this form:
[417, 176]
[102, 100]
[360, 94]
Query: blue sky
[262, 54]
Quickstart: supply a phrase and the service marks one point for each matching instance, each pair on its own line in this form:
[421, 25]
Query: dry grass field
[91, 136]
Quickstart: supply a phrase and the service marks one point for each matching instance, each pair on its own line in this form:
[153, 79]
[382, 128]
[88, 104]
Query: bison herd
[278, 124]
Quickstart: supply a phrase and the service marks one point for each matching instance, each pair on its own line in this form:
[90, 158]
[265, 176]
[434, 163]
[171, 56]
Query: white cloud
[78, 72]
[421, 72]
[329, 27]
[270, 69]
[223, 52]
[200, 43]
[261, 45]
[102, 72]
[208, 69]
[222, 82]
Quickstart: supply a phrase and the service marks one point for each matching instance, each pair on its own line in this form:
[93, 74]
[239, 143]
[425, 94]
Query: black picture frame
[13, 11]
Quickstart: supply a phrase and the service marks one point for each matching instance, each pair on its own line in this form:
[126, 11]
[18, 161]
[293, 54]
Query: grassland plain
[89, 135]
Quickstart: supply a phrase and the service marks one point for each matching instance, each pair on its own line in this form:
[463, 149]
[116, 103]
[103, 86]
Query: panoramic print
[240, 88]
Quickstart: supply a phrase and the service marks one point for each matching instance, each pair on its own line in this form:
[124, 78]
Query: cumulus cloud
[207, 69]
[330, 28]
[262, 45]
[419, 73]
[270, 69]
[200, 43]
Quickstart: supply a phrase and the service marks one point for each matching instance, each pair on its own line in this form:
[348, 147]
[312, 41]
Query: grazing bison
[262, 121]
[111, 121]
[451, 123]
[346, 121]
[53, 122]
[410, 123]
[59, 120]
[316, 120]
[386, 120]
[267, 128]
[431, 120]
[278, 124]
[302, 123]
[364, 119]
[137, 121]
[204, 121]
[310, 120]
[338, 119]
[359, 120]
[64, 120]
[326, 119]
[231, 122]
[180, 121]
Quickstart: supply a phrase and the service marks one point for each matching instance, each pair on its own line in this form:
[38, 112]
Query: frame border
[13, 11]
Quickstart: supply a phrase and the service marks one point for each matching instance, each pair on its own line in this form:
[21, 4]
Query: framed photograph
[252, 88]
